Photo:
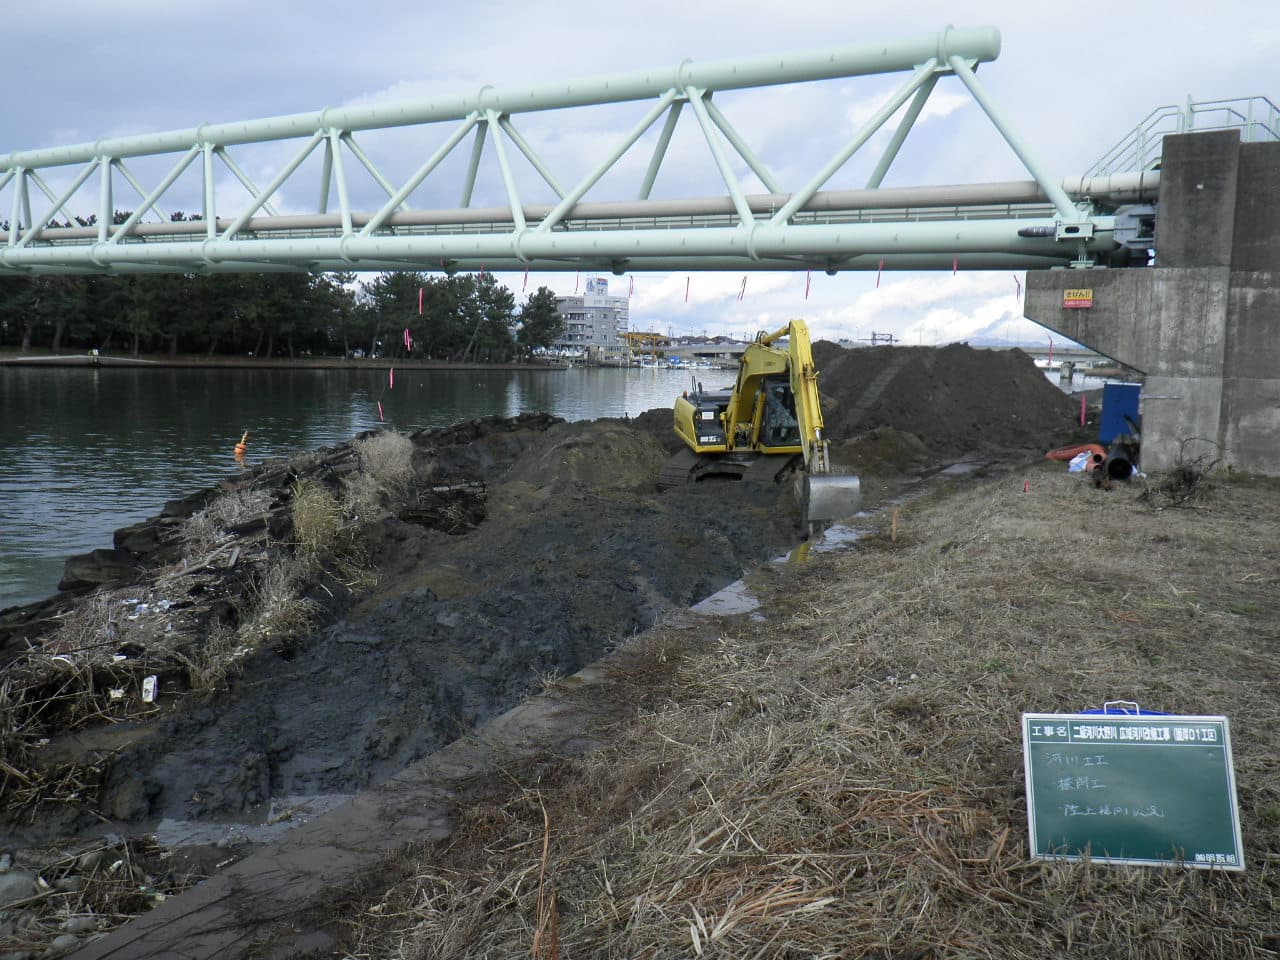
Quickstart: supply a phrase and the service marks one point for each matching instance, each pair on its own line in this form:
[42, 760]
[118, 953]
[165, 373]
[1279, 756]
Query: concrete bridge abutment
[1203, 324]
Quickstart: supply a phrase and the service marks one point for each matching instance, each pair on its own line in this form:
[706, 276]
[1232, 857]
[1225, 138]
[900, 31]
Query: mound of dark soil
[955, 399]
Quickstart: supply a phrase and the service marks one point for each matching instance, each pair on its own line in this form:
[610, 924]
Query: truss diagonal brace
[340, 175]
[36, 229]
[660, 150]
[150, 200]
[244, 179]
[900, 135]
[285, 173]
[576, 194]
[358, 152]
[133, 182]
[398, 198]
[473, 166]
[754, 162]
[890, 106]
[1055, 193]
[746, 219]
[530, 154]
[508, 179]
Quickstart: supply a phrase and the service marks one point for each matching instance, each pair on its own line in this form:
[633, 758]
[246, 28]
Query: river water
[86, 450]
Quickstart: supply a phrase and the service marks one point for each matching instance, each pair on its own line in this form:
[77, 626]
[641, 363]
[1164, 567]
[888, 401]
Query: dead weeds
[845, 780]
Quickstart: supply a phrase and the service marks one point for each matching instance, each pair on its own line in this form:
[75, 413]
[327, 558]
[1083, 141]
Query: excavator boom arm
[804, 388]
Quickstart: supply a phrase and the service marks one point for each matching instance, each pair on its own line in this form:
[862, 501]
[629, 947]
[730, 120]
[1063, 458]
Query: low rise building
[594, 322]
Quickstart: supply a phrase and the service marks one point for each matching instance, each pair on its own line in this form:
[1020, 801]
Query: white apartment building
[594, 322]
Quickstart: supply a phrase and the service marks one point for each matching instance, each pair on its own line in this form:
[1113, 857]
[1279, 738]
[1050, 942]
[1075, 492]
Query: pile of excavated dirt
[525, 549]
[954, 400]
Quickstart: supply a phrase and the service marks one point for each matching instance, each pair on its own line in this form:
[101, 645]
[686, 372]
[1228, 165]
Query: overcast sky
[1072, 81]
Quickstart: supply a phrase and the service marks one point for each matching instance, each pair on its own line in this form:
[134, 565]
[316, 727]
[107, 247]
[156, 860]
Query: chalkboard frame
[1089, 818]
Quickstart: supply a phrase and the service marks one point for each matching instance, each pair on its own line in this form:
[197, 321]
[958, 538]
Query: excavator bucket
[827, 497]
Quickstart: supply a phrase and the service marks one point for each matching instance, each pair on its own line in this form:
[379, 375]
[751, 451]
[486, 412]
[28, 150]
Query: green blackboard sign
[1140, 789]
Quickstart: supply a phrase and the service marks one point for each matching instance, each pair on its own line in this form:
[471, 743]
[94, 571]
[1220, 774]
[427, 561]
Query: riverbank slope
[835, 773]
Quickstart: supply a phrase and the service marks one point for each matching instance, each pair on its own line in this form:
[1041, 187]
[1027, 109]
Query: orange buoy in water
[243, 446]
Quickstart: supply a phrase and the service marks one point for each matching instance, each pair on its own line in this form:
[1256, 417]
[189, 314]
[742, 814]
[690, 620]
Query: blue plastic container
[1118, 401]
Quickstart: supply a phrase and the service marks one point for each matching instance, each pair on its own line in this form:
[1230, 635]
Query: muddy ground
[553, 547]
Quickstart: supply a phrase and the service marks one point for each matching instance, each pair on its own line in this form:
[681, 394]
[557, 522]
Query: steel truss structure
[1036, 223]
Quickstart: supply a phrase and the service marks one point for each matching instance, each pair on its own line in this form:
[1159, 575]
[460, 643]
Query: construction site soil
[526, 549]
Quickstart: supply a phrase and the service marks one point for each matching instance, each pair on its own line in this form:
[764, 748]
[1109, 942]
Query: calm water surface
[84, 451]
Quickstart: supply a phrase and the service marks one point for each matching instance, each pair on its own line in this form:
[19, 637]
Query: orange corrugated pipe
[1097, 452]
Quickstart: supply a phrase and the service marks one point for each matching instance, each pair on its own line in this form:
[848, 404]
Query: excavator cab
[778, 424]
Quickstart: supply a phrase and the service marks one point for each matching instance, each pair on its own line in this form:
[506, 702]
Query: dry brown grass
[384, 478]
[387, 457]
[317, 522]
[275, 609]
[207, 528]
[219, 657]
[845, 779]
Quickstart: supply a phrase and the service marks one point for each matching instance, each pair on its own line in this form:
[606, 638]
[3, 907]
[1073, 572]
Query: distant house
[594, 322]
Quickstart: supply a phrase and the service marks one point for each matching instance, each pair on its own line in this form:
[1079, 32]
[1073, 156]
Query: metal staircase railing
[1257, 118]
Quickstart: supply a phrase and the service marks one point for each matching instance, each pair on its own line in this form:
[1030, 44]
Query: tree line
[463, 317]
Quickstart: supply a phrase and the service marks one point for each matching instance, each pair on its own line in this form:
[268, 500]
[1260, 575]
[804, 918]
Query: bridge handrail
[1257, 118]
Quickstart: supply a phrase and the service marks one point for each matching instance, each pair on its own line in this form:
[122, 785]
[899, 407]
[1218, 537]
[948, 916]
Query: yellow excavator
[767, 428]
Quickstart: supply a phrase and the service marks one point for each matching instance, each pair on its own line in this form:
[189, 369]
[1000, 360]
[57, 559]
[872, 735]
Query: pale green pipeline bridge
[1191, 200]
[61, 201]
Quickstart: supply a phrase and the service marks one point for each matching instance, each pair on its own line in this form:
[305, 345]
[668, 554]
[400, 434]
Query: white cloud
[942, 102]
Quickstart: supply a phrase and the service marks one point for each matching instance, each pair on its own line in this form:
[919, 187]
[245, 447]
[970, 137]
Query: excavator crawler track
[678, 470]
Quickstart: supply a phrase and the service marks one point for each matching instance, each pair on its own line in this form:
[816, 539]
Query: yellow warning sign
[1077, 299]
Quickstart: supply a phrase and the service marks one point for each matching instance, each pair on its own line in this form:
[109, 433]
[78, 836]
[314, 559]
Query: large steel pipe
[748, 245]
[1117, 188]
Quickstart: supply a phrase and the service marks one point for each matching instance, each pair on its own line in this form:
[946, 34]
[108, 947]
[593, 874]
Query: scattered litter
[149, 689]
